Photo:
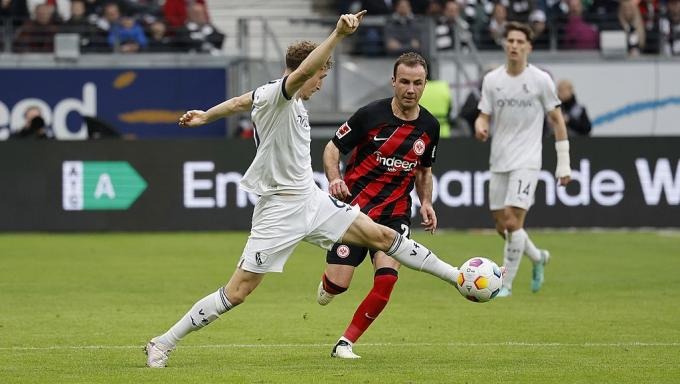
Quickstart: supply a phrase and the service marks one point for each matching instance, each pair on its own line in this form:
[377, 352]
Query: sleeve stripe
[283, 88]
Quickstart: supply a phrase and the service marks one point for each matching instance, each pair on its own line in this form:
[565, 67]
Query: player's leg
[341, 260]
[202, 313]
[384, 279]
[334, 281]
[276, 231]
[366, 232]
[339, 222]
[513, 249]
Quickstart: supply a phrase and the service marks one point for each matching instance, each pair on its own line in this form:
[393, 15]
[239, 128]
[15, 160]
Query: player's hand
[338, 189]
[193, 118]
[564, 180]
[348, 23]
[482, 133]
[429, 218]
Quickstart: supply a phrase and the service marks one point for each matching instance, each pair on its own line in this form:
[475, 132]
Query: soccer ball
[479, 279]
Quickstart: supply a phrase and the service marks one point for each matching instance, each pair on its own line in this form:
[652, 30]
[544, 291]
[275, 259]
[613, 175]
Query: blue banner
[143, 103]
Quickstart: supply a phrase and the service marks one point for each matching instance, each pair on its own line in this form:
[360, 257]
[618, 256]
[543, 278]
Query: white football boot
[157, 354]
[323, 297]
[343, 350]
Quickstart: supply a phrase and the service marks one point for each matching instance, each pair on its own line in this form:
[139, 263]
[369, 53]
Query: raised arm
[423, 184]
[346, 25]
[196, 118]
[331, 165]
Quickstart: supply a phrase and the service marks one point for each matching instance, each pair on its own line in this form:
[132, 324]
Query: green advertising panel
[100, 185]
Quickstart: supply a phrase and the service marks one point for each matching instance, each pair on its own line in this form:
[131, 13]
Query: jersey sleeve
[430, 154]
[549, 94]
[486, 102]
[272, 93]
[351, 132]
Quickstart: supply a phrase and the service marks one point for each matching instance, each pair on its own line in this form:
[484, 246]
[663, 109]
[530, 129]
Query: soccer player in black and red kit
[393, 142]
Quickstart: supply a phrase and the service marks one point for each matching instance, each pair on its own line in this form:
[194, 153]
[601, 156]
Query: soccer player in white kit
[291, 207]
[515, 98]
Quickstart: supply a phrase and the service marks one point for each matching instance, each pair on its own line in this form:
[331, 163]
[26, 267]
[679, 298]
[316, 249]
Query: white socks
[416, 256]
[515, 243]
[530, 249]
[204, 312]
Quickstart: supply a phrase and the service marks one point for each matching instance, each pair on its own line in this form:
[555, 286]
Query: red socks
[373, 304]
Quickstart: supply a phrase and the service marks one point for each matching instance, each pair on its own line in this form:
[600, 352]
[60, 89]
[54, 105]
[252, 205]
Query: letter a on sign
[104, 187]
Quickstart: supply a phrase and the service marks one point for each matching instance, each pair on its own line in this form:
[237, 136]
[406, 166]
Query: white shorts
[280, 222]
[512, 189]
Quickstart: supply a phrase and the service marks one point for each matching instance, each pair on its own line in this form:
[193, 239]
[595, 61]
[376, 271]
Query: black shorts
[353, 255]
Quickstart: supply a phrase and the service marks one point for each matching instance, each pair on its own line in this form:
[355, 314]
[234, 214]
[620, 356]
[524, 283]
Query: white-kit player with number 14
[515, 98]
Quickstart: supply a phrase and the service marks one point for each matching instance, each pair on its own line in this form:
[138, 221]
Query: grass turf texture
[78, 308]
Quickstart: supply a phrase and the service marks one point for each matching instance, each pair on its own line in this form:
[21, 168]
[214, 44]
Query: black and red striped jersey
[386, 150]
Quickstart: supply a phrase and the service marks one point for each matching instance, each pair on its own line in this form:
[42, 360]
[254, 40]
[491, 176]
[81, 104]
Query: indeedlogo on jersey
[394, 164]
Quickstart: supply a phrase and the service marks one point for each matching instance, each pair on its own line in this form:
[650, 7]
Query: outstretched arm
[196, 118]
[346, 25]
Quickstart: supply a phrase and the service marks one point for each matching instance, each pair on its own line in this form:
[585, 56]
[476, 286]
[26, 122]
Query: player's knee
[385, 238]
[512, 223]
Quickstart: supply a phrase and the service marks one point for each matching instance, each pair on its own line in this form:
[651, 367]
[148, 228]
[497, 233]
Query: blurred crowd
[125, 26]
[645, 26]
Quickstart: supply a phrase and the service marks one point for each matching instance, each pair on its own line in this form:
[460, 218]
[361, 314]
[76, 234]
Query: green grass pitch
[77, 308]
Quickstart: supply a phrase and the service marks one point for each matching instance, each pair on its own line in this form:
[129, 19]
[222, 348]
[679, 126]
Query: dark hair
[409, 59]
[298, 52]
[521, 27]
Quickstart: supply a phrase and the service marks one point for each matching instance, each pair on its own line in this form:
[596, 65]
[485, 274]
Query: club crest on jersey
[342, 131]
[342, 251]
[419, 147]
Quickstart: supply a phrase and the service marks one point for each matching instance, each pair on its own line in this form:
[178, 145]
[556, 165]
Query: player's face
[313, 84]
[517, 47]
[409, 85]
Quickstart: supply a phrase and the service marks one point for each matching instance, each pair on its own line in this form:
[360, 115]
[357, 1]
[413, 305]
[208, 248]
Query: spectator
[436, 98]
[159, 41]
[451, 26]
[37, 35]
[127, 36]
[630, 21]
[518, 10]
[79, 24]
[111, 16]
[34, 124]
[176, 12]
[435, 9]
[649, 11]
[575, 114]
[402, 34]
[496, 27]
[14, 12]
[537, 22]
[669, 26]
[577, 33]
[198, 35]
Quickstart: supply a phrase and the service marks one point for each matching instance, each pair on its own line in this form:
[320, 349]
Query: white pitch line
[264, 346]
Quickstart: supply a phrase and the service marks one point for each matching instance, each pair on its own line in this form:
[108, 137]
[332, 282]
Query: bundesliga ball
[479, 279]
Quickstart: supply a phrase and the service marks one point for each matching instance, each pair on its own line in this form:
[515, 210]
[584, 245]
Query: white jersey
[283, 163]
[517, 106]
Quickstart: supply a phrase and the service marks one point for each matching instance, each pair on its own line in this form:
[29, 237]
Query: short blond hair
[298, 52]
